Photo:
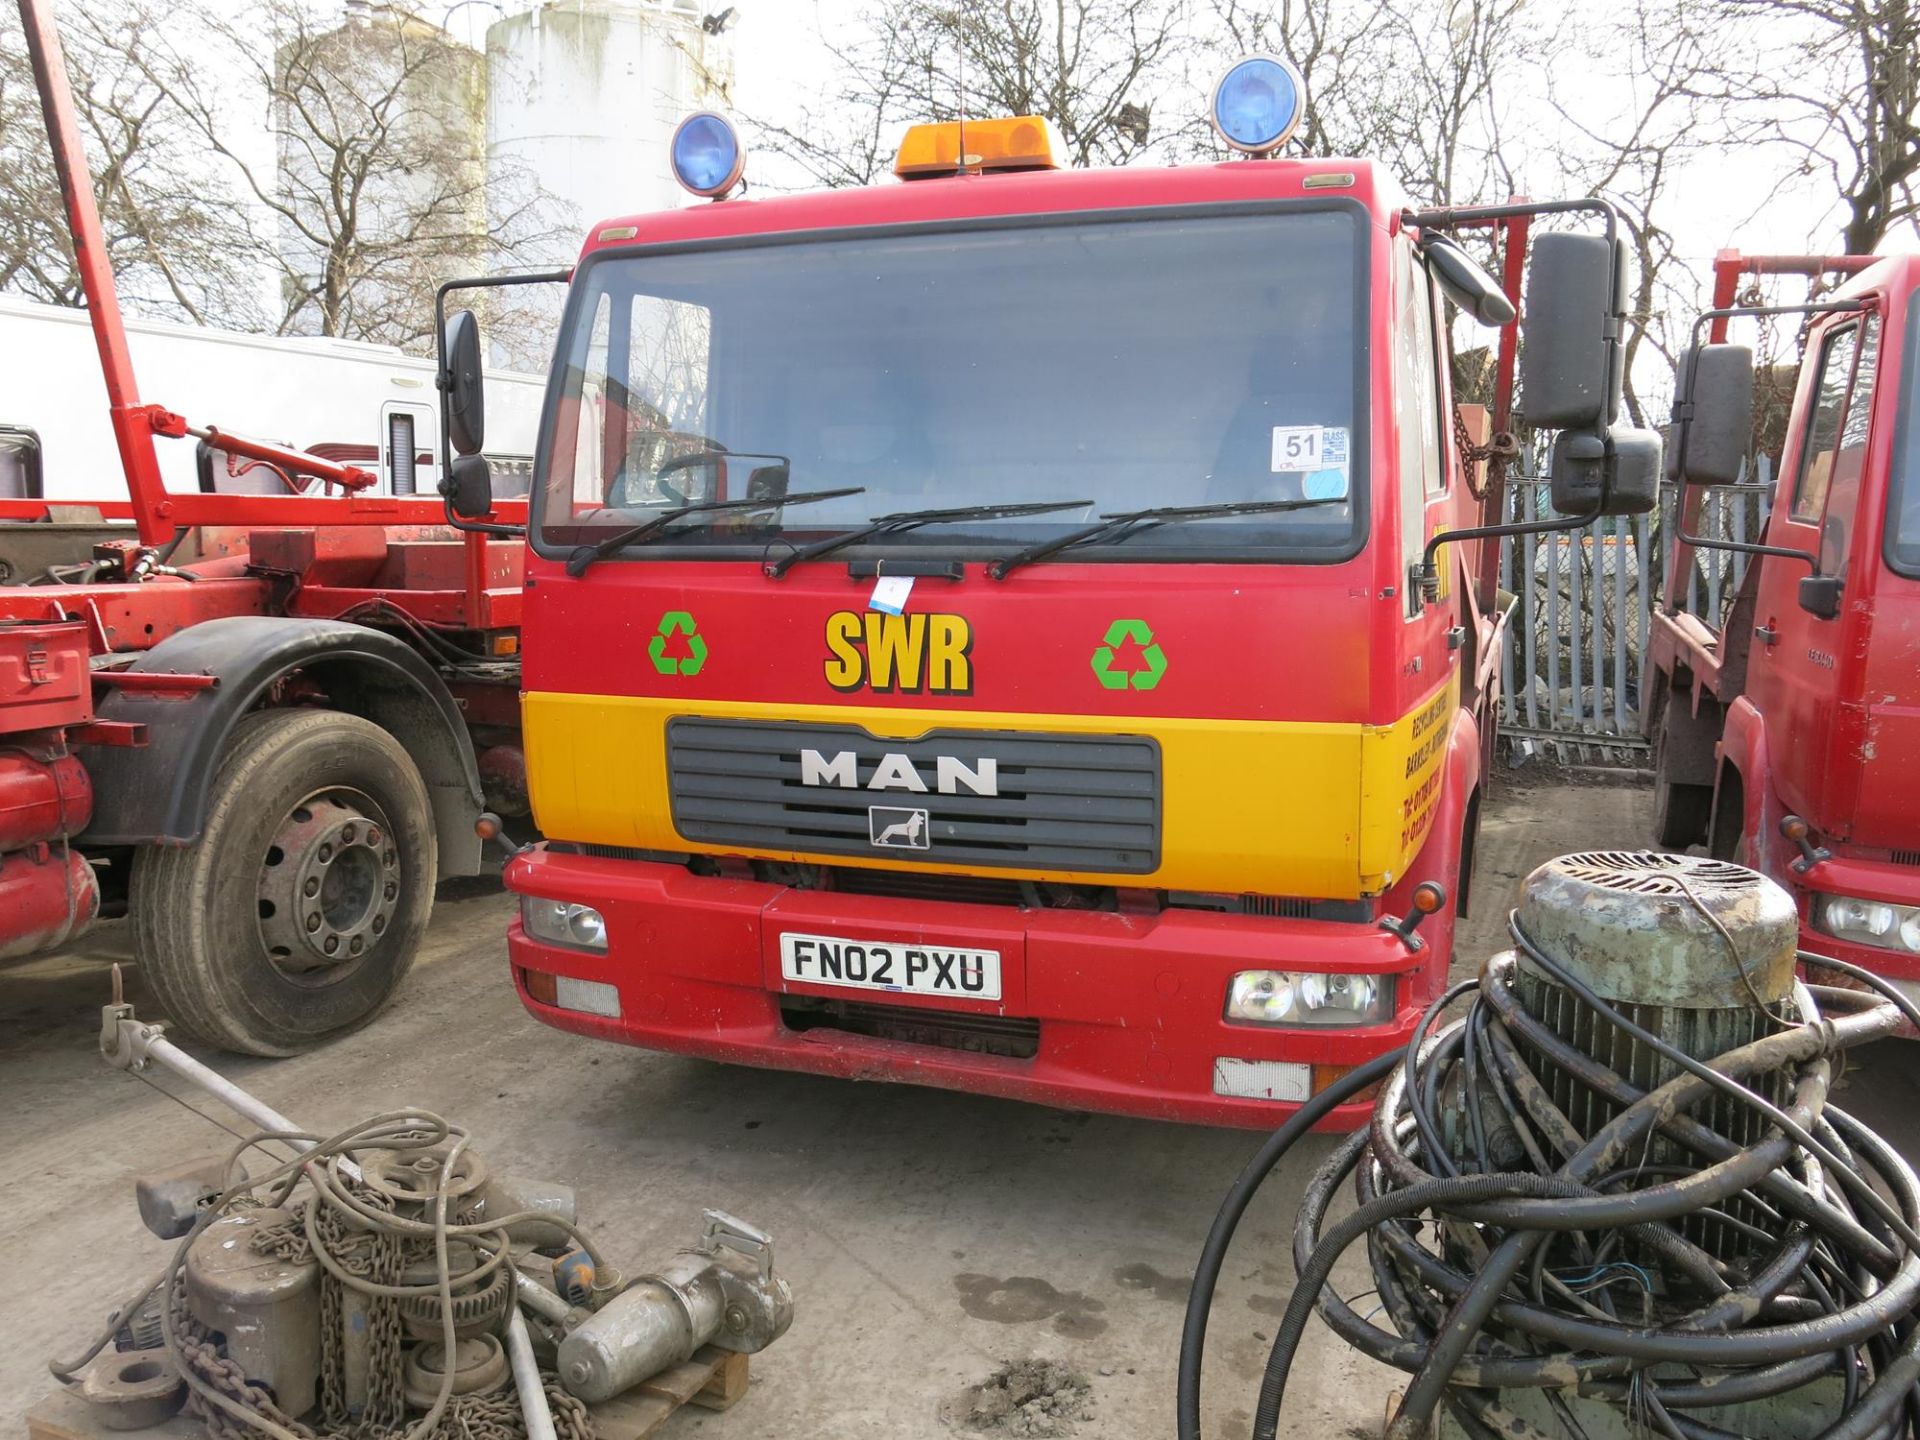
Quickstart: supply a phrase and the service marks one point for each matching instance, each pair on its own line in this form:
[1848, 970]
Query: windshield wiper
[912, 520]
[585, 555]
[1125, 524]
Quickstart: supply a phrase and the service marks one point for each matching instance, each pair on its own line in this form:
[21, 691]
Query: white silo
[583, 96]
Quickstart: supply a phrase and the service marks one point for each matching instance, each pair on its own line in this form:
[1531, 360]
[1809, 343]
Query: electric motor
[1611, 1197]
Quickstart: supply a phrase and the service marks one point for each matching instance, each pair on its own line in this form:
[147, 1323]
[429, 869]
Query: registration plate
[908, 969]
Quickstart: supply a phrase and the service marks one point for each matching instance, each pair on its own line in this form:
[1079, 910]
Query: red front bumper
[1862, 880]
[1128, 1007]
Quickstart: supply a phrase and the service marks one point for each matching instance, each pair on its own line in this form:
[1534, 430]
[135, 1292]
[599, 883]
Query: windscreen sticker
[1327, 483]
[1296, 447]
[1309, 447]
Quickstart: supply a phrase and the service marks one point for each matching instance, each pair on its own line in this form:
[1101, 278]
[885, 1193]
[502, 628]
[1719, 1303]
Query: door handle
[1766, 634]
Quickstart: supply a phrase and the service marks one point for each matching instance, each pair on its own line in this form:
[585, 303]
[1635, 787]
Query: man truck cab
[995, 630]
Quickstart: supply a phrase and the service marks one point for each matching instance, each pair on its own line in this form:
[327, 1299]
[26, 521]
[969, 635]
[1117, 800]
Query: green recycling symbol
[677, 622]
[1143, 675]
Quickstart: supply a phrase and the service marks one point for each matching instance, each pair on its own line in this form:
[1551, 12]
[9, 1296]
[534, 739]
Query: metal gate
[1574, 674]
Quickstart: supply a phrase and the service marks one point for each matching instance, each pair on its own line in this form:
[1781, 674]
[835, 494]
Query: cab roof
[987, 196]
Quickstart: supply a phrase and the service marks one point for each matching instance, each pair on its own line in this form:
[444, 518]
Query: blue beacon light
[1258, 104]
[707, 154]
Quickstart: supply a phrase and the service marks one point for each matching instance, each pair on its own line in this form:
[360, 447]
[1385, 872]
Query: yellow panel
[1249, 807]
[1405, 768]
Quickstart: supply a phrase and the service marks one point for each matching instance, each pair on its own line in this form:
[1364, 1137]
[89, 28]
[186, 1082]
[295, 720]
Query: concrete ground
[930, 1238]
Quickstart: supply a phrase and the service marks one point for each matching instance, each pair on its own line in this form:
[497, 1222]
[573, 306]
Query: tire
[1681, 812]
[318, 830]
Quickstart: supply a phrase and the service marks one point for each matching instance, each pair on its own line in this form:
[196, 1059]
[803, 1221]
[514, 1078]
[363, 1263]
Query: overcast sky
[1729, 202]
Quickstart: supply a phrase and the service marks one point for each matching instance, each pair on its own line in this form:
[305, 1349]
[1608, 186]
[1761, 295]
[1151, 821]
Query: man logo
[908, 654]
[894, 771]
[889, 829]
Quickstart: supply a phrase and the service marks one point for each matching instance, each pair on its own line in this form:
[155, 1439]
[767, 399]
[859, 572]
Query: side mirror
[1571, 366]
[1609, 473]
[1820, 595]
[470, 487]
[463, 407]
[768, 482]
[1476, 293]
[1712, 415]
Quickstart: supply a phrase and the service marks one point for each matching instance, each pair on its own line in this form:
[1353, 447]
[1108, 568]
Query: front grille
[926, 885]
[1004, 1035]
[1906, 857]
[1273, 907]
[616, 852]
[1058, 802]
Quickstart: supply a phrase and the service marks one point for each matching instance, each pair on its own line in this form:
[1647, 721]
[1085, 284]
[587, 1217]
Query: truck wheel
[297, 913]
[1681, 812]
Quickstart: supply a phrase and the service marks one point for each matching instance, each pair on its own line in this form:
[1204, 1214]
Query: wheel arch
[1469, 849]
[158, 792]
[1742, 790]
[1448, 847]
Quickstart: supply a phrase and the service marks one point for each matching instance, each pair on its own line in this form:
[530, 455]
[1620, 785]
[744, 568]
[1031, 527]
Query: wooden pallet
[712, 1379]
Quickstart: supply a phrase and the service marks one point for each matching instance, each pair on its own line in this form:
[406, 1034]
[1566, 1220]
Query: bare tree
[1651, 51]
[177, 240]
[1094, 68]
[1837, 84]
[379, 186]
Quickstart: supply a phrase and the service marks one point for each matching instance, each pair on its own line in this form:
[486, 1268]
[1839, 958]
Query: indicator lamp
[707, 154]
[1801, 834]
[1258, 104]
[1428, 898]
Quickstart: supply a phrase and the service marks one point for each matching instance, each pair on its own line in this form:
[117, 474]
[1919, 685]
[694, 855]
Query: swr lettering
[907, 654]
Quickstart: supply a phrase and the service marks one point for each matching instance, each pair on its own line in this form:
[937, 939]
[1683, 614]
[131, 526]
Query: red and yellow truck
[992, 631]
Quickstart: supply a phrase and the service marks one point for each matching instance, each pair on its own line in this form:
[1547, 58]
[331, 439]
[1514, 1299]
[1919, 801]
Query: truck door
[1799, 659]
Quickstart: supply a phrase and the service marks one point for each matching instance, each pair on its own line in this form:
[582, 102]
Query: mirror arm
[443, 383]
[1429, 590]
[1448, 216]
[1683, 403]
[1741, 547]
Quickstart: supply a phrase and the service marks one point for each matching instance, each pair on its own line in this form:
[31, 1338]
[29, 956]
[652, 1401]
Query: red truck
[261, 725]
[1082, 698]
[1789, 737]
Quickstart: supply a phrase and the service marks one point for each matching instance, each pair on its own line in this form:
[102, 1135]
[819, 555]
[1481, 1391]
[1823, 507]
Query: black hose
[1213, 1255]
[1712, 1232]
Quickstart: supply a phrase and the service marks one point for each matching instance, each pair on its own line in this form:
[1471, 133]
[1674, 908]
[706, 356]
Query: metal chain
[381, 1258]
[1496, 453]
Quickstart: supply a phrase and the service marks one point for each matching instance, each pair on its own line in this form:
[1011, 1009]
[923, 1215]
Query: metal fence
[1575, 674]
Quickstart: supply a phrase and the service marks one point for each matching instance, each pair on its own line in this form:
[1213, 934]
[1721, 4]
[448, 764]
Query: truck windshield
[1903, 516]
[1180, 360]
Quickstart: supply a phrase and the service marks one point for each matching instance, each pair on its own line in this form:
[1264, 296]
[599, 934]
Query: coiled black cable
[1558, 1293]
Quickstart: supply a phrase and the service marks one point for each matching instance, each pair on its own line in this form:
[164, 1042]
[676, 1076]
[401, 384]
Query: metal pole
[526, 1378]
[165, 1052]
[1512, 280]
[132, 422]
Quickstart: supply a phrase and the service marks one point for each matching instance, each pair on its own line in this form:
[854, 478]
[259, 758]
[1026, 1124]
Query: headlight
[560, 922]
[1869, 922]
[1301, 998]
